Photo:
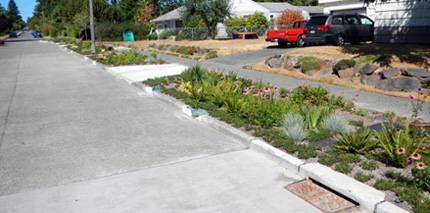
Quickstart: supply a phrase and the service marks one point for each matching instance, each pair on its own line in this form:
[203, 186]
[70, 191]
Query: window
[351, 20]
[337, 20]
[271, 16]
[296, 25]
[366, 21]
[317, 21]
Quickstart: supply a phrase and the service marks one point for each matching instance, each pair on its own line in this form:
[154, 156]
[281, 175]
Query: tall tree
[211, 11]
[4, 20]
[14, 12]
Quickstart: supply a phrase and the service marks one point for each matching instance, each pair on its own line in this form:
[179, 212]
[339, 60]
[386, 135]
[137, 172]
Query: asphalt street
[74, 138]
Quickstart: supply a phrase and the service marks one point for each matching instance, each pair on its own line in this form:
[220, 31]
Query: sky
[25, 7]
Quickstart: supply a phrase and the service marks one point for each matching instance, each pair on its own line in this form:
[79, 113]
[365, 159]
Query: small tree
[145, 14]
[211, 11]
[289, 16]
[235, 25]
[257, 19]
[82, 19]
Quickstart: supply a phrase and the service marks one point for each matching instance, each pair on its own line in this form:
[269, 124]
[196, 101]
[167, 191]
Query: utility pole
[93, 42]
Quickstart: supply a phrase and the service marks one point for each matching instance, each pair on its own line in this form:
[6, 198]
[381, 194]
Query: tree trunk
[211, 32]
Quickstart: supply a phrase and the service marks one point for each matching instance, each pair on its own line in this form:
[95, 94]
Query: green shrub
[127, 58]
[343, 168]
[355, 123]
[306, 152]
[384, 184]
[363, 178]
[290, 146]
[311, 95]
[185, 50]
[109, 31]
[160, 47]
[349, 158]
[356, 142]
[153, 59]
[309, 63]
[195, 73]
[421, 178]
[327, 160]
[257, 19]
[235, 25]
[166, 34]
[152, 37]
[369, 165]
[211, 54]
[360, 112]
[320, 135]
[343, 64]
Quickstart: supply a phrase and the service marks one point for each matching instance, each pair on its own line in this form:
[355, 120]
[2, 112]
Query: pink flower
[299, 87]
[409, 159]
[420, 90]
[268, 83]
[356, 95]
[411, 98]
[263, 96]
[415, 156]
[275, 89]
[266, 90]
[255, 94]
[421, 166]
[401, 150]
[260, 102]
[240, 99]
[246, 92]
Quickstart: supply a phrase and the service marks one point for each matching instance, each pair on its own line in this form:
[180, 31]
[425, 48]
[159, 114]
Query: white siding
[244, 8]
[402, 14]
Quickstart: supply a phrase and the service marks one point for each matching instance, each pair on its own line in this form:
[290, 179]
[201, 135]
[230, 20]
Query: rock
[419, 73]
[326, 72]
[399, 84]
[392, 72]
[358, 67]
[370, 79]
[311, 72]
[274, 61]
[368, 69]
[290, 62]
[378, 126]
[153, 45]
[324, 64]
[346, 73]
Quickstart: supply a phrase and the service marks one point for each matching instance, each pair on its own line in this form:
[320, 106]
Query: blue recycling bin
[128, 35]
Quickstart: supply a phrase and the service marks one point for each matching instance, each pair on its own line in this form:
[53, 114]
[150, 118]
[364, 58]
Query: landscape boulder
[399, 84]
[311, 72]
[418, 73]
[392, 72]
[326, 72]
[368, 69]
[290, 62]
[370, 79]
[274, 61]
[346, 73]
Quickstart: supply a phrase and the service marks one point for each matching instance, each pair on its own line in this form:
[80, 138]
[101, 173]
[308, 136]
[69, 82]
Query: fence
[221, 32]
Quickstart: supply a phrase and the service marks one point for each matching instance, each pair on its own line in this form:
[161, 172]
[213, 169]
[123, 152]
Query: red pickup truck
[293, 35]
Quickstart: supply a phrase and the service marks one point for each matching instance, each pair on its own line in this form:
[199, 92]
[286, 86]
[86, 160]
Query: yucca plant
[356, 142]
[194, 74]
[294, 127]
[398, 145]
[314, 116]
[335, 124]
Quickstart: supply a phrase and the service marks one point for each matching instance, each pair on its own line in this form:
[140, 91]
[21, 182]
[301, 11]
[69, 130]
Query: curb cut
[369, 198]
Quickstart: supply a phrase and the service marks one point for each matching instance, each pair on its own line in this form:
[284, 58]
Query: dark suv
[338, 29]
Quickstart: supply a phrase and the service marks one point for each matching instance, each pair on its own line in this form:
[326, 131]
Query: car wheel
[340, 40]
[300, 42]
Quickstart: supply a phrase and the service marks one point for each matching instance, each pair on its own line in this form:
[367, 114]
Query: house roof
[172, 15]
[279, 7]
[313, 9]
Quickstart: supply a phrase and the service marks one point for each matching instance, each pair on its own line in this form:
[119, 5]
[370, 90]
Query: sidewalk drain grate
[321, 197]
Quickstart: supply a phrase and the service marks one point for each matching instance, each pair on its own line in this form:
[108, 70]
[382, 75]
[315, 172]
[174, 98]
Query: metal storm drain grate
[321, 197]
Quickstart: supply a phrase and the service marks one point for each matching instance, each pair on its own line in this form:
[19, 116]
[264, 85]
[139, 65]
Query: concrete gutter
[369, 198]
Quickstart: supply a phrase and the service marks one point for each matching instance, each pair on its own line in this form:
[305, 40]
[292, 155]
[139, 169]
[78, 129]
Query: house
[396, 21]
[240, 8]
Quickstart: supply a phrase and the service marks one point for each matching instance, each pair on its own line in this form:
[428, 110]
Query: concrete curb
[369, 198]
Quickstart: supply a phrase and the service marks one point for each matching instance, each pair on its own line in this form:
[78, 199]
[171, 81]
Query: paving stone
[326, 72]
[378, 126]
[368, 69]
[311, 73]
[274, 61]
[346, 73]
[419, 73]
[389, 73]
[370, 79]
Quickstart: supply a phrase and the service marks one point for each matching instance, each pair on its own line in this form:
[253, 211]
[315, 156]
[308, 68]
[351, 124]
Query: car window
[337, 20]
[296, 25]
[302, 24]
[317, 21]
[365, 21]
[351, 20]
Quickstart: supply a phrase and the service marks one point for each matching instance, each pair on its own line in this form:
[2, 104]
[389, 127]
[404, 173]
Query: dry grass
[4, 37]
[223, 47]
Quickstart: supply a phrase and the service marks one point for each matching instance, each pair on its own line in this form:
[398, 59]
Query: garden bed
[311, 125]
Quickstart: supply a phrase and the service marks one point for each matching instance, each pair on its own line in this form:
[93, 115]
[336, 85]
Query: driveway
[76, 139]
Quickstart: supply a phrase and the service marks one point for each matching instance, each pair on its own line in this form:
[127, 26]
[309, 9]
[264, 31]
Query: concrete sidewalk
[76, 139]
